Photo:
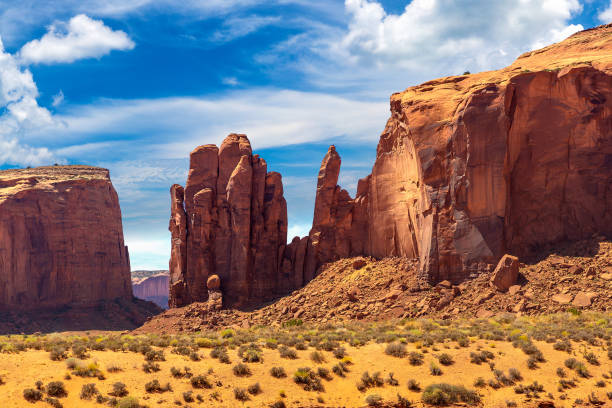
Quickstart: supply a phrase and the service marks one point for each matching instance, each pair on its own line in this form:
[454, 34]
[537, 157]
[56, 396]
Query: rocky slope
[61, 239]
[576, 275]
[153, 288]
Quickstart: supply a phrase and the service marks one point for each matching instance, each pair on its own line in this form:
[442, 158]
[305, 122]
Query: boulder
[61, 239]
[506, 273]
[359, 263]
[584, 299]
[213, 282]
[562, 298]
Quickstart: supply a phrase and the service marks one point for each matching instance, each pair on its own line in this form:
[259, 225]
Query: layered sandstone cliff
[153, 288]
[61, 238]
[468, 168]
[229, 220]
[471, 167]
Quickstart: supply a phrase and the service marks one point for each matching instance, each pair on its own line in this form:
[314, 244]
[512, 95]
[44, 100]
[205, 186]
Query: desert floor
[27, 359]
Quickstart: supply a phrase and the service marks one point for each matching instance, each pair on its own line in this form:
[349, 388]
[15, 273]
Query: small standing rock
[213, 282]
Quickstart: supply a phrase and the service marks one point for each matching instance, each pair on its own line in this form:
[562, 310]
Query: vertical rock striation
[61, 239]
[235, 227]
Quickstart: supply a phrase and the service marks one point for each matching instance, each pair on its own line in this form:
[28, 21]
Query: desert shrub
[339, 369]
[413, 385]
[71, 363]
[89, 370]
[445, 359]
[277, 404]
[241, 394]
[278, 372]
[88, 391]
[563, 345]
[561, 372]
[188, 396]
[286, 352]
[307, 379]
[610, 353]
[324, 373]
[373, 400]
[434, 369]
[317, 357]
[58, 353]
[119, 390]
[396, 350]
[32, 395]
[415, 358]
[445, 394]
[150, 367]
[155, 355]
[369, 381]
[128, 402]
[254, 389]
[571, 363]
[200, 381]
[56, 389]
[600, 384]
[54, 402]
[339, 353]
[479, 382]
[80, 351]
[155, 387]
[514, 374]
[113, 368]
[241, 370]
[591, 358]
[481, 357]
[220, 354]
[391, 380]
[532, 363]
[250, 353]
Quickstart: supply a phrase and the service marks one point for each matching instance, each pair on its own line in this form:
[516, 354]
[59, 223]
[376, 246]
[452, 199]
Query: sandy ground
[22, 370]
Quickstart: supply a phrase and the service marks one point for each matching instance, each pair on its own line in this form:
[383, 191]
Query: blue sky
[135, 86]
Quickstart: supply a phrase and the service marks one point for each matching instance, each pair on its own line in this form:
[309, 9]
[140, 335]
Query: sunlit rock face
[61, 238]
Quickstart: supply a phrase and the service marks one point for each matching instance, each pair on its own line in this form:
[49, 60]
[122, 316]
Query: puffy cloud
[606, 15]
[20, 114]
[82, 37]
[484, 34]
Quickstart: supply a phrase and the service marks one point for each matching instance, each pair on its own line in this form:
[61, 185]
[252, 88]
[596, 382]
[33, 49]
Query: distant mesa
[468, 168]
[152, 286]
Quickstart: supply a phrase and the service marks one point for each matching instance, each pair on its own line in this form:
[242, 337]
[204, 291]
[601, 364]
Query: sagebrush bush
[241, 370]
[445, 394]
[278, 372]
[56, 389]
[254, 389]
[119, 390]
[200, 381]
[413, 385]
[32, 395]
[373, 400]
[88, 391]
[396, 350]
[317, 357]
[445, 359]
[241, 394]
[415, 358]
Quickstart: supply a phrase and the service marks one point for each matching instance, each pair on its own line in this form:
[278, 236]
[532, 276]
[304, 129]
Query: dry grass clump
[241, 370]
[396, 350]
[370, 381]
[200, 381]
[317, 357]
[286, 352]
[88, 391]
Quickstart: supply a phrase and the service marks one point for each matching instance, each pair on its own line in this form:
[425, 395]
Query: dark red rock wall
[61, 238]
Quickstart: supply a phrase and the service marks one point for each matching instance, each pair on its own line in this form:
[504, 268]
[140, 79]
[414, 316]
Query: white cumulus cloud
[606, 15]
[82, 37]
[20, 113]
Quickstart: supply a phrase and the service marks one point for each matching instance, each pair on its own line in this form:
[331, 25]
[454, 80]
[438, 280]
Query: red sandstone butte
[61, 238]
[230, 221]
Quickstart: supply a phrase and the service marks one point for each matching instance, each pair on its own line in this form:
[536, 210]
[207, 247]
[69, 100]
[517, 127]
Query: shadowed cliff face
[153, 288]
[61, 238]
[468, 168]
